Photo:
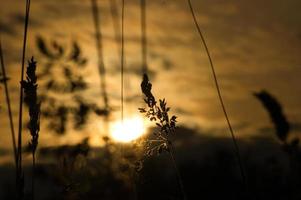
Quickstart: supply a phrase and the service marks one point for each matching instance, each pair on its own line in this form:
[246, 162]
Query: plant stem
[99, 47]
[33, 175]
[122, 60]
[10, 116]
[236, 147]
[100, 59]
[19, 148]
[143, 38]
[116, 25]
[179, 178]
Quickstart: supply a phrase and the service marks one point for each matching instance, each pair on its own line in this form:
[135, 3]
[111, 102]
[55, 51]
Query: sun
[127, 130]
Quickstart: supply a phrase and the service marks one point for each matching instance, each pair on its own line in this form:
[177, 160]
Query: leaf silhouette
[275, 111]
[76, 55]
[43, 47]
[57, 50]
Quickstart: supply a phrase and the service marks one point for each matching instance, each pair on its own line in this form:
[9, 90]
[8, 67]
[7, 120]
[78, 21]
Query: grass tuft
[159, 114]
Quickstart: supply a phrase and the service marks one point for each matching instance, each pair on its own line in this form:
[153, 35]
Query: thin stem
[99, 47]
[101, 66]
[144, 37]
[122, 61]
[19, 148]
[10, 116]
[116, 24]
[179, 178]
[33, 175]
[237, 152]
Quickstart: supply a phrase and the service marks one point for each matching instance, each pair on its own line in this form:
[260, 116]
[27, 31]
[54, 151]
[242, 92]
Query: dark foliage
[31, 100]
[290, 144]
[70, 151]
[71, 83]
[165, 129]
[208, 169]
[276, 113]
[81, 113]
[159, 115]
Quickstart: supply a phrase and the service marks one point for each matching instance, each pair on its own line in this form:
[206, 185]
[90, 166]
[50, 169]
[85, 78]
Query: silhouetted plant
[31, 100]
[280, 121]
[282, 128]
[56, 52]
[159, 114]
[276, 113]
[220, 97]
[82, 111]
[99, 48]
[57, 57]
[4, 79]
[19, 168]
[70, 83]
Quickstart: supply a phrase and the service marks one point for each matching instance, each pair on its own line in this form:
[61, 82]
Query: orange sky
[255, 45]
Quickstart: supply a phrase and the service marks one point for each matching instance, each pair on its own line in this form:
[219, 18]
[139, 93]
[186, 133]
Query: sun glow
[128, 130]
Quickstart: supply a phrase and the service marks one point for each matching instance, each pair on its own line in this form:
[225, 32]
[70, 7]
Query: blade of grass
[99, 47]
[203, 41]
[144, 72]
[100, 59]
[144, 37]
[31, 100]
[19, 172]
[10, 116]
[116, 24]
[122, 60]
[178, 174]
[159, 114]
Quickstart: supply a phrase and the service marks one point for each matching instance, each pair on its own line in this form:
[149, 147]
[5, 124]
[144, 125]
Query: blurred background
[84, 152]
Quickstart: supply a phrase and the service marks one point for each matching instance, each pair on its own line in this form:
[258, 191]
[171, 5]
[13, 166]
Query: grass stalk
[19, 172]
[144, 36]
[159, 114]
[100, 60]
[144, 72]
[116, 24]
[99, 47]
[122, 62]
[34, 105]
[178, 174]
[203, 41]
[33, 175]
[8, 103]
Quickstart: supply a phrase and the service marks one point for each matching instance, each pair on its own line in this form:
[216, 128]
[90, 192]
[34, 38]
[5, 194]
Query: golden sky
[254, 44]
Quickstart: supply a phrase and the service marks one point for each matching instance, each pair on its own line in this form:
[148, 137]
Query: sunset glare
[128, 130]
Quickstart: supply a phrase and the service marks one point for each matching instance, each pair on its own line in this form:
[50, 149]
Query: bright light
[128, 130]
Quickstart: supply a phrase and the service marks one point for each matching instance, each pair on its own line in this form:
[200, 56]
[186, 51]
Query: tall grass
[143, 36]
[220, 97]
[8, 103]
[159, 114]
[122, 60]
[31, 99]
[99, 47]
[100, 59]
[19, 171]
[154, 111]
[116, 24]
